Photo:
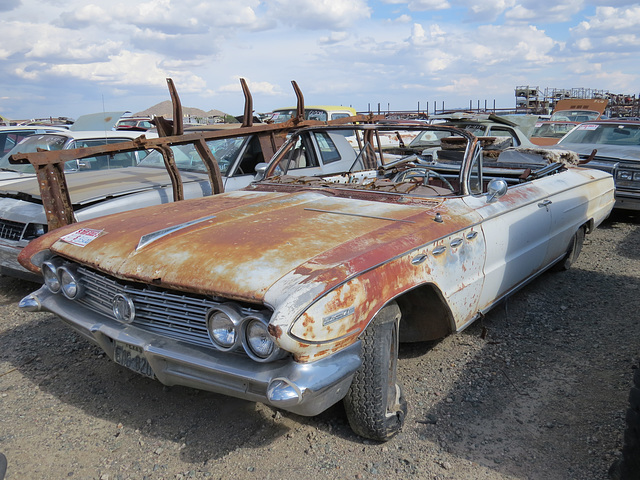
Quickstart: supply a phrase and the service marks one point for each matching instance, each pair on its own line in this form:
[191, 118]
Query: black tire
[375, 405]
[3, 466]
[628, 467]
[573, 252]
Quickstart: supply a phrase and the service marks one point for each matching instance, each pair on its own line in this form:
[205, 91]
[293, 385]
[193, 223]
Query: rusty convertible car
[296, 291]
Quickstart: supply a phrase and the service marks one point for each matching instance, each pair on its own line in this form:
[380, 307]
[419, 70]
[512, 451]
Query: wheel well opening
[425, 315]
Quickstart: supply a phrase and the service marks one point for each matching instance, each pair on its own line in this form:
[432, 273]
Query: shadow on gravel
[63, 364]
[544, 396]
[629, 247]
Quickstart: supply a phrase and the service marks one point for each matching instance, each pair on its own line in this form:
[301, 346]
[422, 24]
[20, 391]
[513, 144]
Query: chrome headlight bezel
[51, 276]
[70, 286]
[233, 321]
[260, 333]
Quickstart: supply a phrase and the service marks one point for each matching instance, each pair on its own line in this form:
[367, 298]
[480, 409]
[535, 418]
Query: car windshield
[429, 138]
[578, 116]
[280, 116]
[51, 142]
[551, 130]
[605, 134]
[224, 150]
[32, 144]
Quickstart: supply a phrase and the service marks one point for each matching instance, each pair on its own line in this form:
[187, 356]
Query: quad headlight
[258, 343]
[62, 277]
[69, 283]
[50, 274]
[223, 325]
[628, 175]
[229, 328]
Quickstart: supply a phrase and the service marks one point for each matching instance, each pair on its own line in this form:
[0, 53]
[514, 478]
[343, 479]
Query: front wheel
[375, 405]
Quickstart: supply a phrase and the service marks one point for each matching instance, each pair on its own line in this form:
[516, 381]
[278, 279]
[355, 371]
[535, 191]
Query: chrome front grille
[11, 230]
[171, 314]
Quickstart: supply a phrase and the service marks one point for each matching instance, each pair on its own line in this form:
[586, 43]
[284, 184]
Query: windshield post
[55, 194]
[172, 170]
[215, 177]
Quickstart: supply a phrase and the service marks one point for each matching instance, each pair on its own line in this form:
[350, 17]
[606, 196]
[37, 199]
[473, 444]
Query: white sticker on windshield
[588, 127]
[82, 237]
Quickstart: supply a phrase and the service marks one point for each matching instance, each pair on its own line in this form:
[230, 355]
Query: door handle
[545, 204]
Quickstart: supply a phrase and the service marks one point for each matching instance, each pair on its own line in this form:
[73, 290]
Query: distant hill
[165, 109]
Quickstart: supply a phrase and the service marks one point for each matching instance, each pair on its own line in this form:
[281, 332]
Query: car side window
[250, 158]
[10, 140]
[504, 132]
[102, 162]
[475, 174]
[300, 155]
[328, 151]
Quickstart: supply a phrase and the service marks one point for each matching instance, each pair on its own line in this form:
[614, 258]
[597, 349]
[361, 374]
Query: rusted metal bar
[299, 102]
[178, 126]
[55, 195]
[172, 170]
[247, 120]
[215, 177]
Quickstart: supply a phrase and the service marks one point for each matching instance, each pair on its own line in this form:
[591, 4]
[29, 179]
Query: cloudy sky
[67, 58]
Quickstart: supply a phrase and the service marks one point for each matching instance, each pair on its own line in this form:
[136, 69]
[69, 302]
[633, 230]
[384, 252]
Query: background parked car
[485, 126]
[11, 136]
[567, 114]
[141, 124]
[67, 140]
[617, 145]
[321, 113]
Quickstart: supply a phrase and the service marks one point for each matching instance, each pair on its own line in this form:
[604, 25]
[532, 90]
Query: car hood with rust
[238, 244]
[89, 187]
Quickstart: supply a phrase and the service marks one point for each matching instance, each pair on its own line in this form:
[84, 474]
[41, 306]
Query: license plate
[131, 356]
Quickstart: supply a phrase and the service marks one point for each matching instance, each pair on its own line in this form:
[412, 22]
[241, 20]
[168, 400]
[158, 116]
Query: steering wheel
[421, 172]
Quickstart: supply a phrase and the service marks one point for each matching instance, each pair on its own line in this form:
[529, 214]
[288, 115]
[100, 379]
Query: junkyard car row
[616, 144]
[296, 290]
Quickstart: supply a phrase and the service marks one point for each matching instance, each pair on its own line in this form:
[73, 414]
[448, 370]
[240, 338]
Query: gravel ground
[536, 390]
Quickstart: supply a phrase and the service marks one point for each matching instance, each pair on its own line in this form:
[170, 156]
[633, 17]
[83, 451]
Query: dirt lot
[542, 395]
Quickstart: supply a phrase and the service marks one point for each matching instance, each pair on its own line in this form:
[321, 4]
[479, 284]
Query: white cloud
[340, 51]
[424, 5]
[261, 88]
[609, 30]
[335, 37]
[533, 12]
[486, 10]
[465, 85]
[319, 14]
[421, 5]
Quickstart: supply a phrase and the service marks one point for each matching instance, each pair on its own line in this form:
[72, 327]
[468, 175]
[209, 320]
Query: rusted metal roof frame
[371, 131]
[49, 165]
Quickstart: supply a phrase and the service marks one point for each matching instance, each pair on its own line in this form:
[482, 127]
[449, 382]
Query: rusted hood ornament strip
[152, 237]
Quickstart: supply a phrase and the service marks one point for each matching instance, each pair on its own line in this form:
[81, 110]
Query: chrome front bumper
[301, 388]
[627, 200]
[9, 262]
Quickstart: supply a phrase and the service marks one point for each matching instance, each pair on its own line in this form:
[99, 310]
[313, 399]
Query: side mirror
[261, 169]
[496, 189]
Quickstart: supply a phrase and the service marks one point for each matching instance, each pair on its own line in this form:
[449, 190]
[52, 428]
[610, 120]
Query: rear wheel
[575, 247]
[374, 404]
